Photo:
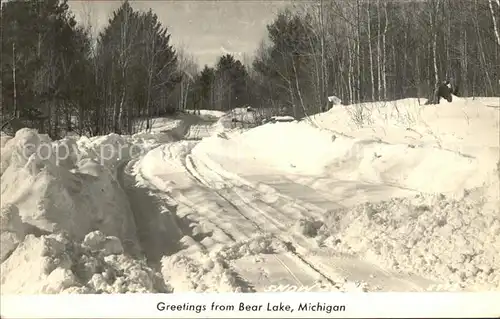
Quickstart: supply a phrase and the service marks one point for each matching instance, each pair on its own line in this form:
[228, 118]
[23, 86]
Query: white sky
[206, 29]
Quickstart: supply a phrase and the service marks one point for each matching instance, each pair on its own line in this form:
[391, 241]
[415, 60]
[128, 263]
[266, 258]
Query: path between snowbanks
[454, 241]
[66, 218]
[158, 226]
[227, 213]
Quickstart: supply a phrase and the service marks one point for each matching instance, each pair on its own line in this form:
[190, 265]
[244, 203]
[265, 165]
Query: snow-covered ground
[372, 197]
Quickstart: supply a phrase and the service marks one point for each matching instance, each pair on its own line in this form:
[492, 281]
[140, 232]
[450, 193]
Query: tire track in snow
[191, 168]
[238, 280]
[180, 199]
[239, 283]
[155, 240]
[183, 199]
[249, 197]
[314, 257]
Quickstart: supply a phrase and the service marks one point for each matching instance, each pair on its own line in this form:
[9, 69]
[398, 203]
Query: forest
[57, 77]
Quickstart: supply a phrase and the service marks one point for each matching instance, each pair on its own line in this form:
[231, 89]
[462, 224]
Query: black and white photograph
[249, 146]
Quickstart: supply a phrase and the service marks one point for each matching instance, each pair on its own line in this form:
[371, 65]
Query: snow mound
[54, 264]
[399, 158]
[12, 230]
[259, 244]
[465, 126]
[447, 240]
[202, 272]
[64, 185]
[198, 273]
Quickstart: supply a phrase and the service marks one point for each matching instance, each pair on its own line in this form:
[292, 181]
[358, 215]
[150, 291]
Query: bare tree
[379, 52]
[151, 53]
[494, 18]
[481, 48]
[188, 69]
[384, 52]
[370, 50]
[16, 111]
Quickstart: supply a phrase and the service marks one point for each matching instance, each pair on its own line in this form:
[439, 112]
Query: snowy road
[221, 210]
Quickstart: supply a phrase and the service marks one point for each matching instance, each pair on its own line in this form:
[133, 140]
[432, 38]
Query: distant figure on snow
[445, 90]
[332, 101]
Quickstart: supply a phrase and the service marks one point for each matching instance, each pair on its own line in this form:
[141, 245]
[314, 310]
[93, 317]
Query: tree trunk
[358, 53]
[324, 78]
[463, 60]
[434, 50]
[150, 81]
[405, 64]
[350, 72]
[370, 49]
[481, 49]
[493, 17]
[379, 53]
[16, 111]
[384, 54]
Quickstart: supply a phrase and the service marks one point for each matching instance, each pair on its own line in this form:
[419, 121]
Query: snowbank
[464, 126]
[54, 190]
[438, 149]
[57, 264]
[298, 148]
[455, 242]
[67, 186]
[75, 186]
[78, 214]
[160, 124]
[12, 230]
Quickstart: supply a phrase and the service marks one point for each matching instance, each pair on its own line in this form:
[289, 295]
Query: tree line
[57, 77]
[378, 50]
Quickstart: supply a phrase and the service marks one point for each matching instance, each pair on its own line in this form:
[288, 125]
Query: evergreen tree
[137, 69]
[43, 52]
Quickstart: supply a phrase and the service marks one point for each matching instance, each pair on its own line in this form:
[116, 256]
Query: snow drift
[453, 242]
[53, 190]
[455, 146]
[68, 188]
[56, 264]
